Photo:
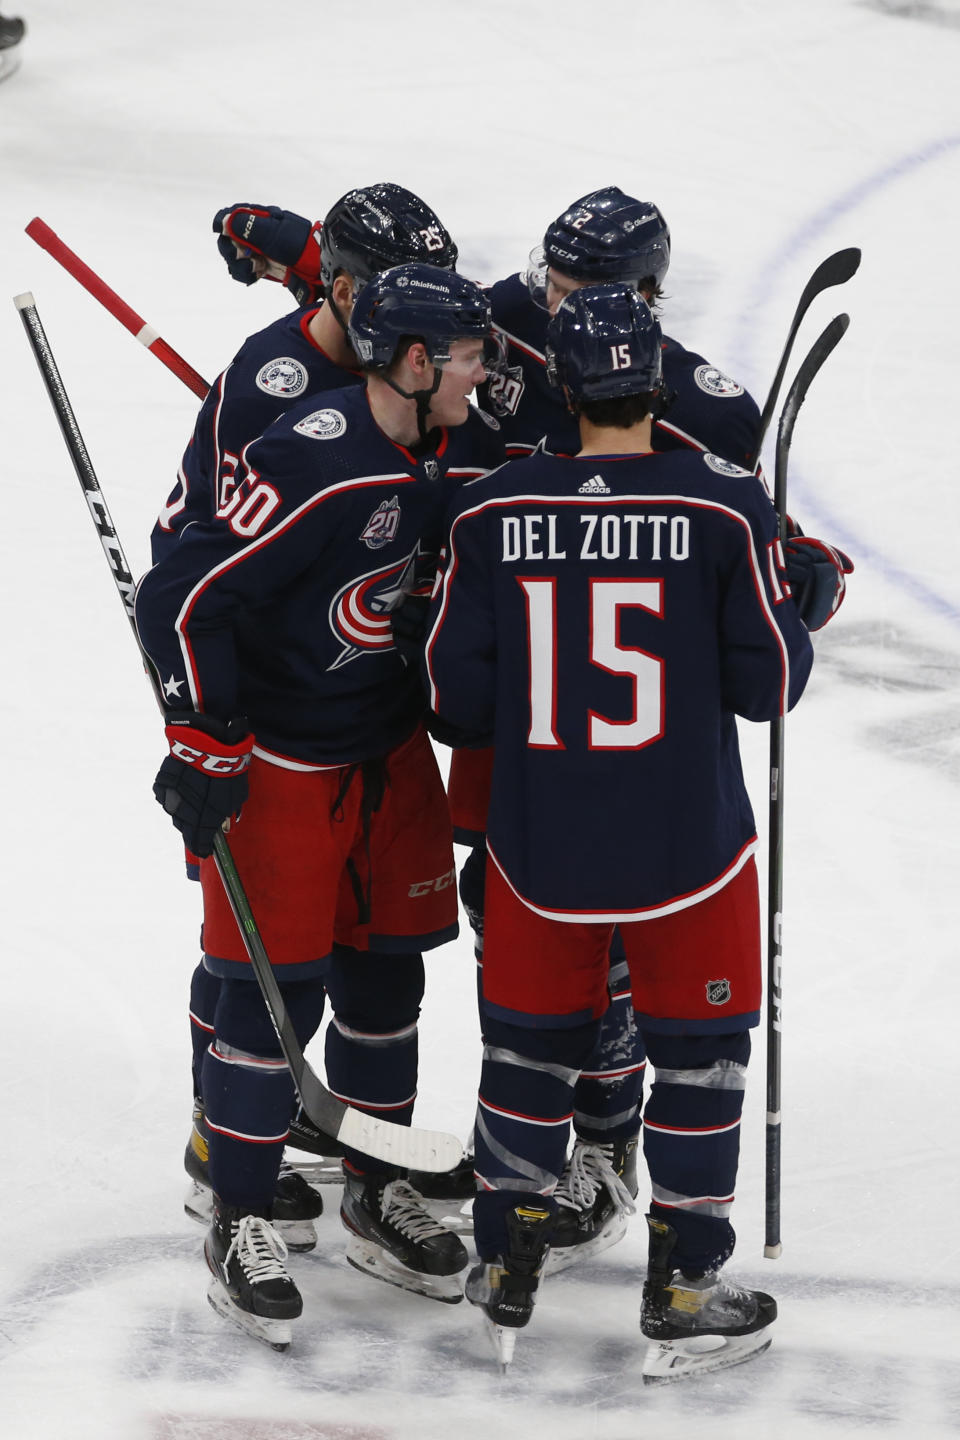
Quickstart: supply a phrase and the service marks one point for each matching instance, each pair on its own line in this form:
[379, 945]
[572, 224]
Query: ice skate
[696, 1325]
[296, 1205]
[595, 1199]
[250, 1285]
[506, 1288]
[393, 1237]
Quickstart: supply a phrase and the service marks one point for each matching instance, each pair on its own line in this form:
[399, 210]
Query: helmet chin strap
[421, 398]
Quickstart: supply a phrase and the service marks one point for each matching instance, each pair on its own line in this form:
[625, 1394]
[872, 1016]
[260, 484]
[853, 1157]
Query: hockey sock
[204, 989]
[691, 1140]
[610, 1089]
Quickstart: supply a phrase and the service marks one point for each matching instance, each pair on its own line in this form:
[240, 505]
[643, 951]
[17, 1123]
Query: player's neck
[611, 440]
[396, 416]
[327, 332]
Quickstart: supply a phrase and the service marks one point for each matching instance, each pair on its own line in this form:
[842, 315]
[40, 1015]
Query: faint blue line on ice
[810, 231]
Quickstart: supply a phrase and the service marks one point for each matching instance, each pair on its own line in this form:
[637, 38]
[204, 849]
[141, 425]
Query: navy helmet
[380, 226]
[609, 236]
[416, 300]
[604, 342]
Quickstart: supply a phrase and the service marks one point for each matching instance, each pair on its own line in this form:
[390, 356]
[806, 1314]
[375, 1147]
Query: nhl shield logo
[718, 992]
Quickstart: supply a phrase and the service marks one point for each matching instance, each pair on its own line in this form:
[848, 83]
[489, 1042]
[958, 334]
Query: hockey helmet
[604, 236]
[604, 342]
[379, 226]
[416, 300]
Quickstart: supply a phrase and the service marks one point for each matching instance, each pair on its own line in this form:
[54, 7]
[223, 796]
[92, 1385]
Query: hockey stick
[119, 309]
[397, 1144]
[835, 270]
[796, 395]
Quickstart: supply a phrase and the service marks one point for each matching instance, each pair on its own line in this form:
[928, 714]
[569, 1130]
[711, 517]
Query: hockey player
[608, 615]
[605, 235]
[367, 230]
[270, 628]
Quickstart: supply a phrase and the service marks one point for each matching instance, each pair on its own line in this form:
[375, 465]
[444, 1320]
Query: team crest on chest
[322, 425]
[381, 528]
[718, 992]
[284, 377]
[714, 382]
[360, 611]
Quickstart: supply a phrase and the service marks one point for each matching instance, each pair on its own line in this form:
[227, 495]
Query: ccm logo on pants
[427, 887]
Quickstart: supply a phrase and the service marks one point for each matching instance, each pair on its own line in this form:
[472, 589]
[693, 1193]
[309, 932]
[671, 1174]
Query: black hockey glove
[409, 625]
[203, 780]
[817, 573]
[262, 241]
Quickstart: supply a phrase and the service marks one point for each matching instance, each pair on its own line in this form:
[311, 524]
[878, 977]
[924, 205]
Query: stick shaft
[39, 231]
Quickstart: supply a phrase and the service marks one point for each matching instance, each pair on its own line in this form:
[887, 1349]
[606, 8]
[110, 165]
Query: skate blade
[669, 1360]
[372, 1260]
[275, 1333]
[503, 1341]
[562, 1257]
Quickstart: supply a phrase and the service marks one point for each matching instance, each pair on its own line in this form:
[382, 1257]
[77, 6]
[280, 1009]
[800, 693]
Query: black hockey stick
[835, 270]
[818, 353]
[398, 1144]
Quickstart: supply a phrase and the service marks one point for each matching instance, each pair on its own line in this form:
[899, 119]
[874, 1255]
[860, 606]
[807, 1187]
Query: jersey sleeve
[460, 652]
[274, 526]
[766, 652]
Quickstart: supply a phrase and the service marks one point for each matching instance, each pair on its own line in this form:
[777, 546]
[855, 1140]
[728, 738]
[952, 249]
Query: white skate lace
[403, 1208]
[589, 1168]
[259, 1249]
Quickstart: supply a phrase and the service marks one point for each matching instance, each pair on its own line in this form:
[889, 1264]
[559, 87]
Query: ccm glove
[203, 780]
[817, 573]
[262, 240]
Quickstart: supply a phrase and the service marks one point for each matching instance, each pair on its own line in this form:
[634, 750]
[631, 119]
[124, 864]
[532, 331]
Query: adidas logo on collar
[594, 486]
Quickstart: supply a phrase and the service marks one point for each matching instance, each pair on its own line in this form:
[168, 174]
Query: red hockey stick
[119, 309]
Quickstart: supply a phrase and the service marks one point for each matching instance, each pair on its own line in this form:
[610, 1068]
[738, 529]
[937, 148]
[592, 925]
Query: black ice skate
[595, 1198]
[456, 1184]
[393, 1237]
[696, 1324]
[506, 1288]
[249, 1283]
[296, 1205]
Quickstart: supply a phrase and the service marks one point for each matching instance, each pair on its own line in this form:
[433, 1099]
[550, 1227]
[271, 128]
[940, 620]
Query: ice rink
[770, 134]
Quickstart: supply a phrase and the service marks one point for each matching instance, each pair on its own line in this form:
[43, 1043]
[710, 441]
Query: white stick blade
[411, 1149]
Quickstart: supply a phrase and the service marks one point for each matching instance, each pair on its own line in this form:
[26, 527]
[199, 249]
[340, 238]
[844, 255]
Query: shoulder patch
[490, 420]
[713, 382]
[322, 425]
[724, 467]
[283, 376]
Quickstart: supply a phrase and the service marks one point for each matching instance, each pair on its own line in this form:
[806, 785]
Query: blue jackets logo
[284, 377]
[322, 425]
[360, 611]
[714, 382]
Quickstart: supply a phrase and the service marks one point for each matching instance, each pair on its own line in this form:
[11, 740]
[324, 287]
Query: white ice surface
[770, 133]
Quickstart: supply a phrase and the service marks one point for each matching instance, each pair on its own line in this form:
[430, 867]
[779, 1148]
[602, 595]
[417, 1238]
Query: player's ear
[417, 357]
[343, 292]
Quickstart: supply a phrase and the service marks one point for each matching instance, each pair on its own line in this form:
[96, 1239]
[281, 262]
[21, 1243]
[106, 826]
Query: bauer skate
[296, 1205]
[393, 1237]
[250, 1285]
[699, 1324]
[595, 1199]
[506, 1288]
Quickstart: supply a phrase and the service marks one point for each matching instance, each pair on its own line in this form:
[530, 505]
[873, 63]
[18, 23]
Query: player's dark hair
[618, 412]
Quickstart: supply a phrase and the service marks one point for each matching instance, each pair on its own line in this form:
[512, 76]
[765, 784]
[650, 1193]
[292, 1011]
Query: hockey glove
[817, 573]
[263, 241]
[446, 733]
[203, 780]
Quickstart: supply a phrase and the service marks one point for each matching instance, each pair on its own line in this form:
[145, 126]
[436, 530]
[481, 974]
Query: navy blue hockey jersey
[709, 411]
[273, 370]
[606, 619]
[277, 609]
